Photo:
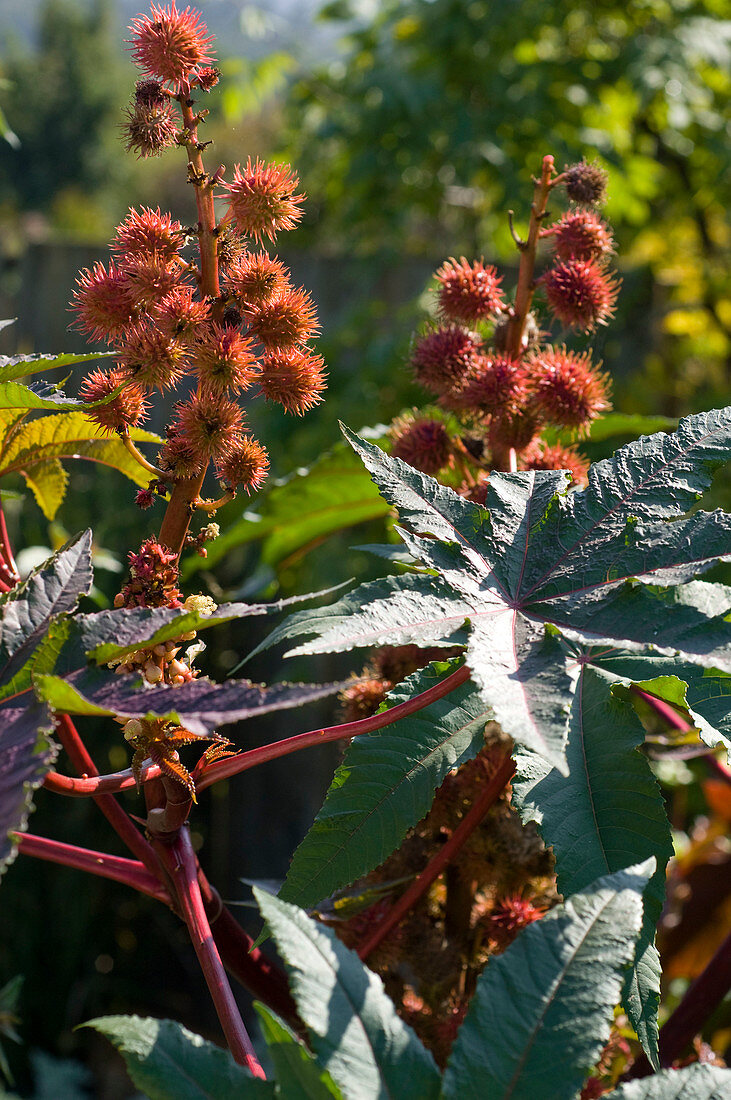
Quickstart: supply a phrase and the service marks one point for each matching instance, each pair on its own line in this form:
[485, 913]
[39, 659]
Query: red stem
[434, 868]
[663, 710]
[232, 765]
[97, 784]
[701, 999]
[128, 871]
[7, 550]
[182, 866]
[115, 815]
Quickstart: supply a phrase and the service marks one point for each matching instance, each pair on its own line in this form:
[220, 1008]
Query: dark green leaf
[297, 1073]
[695, 1082]
[171, 1063]
[385, 785]
[13, 367]
[352, 1024]
[543, 1010]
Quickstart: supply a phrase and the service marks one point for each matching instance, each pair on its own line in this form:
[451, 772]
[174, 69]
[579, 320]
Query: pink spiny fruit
[244, 465]
[567, 388]
[586, 183]
[148, 233]
[153, 360]
[151, 127]
[284, 321]
[444, 358]
[295, 379]
[179, 459]
[468, 291]
[580, 293]
[539, 456]
[224, 360]
[262, 199]
[582, 235]
[509, 915]
[179, 316]
[125, 410]
[103, 302]
[423, 443]
[170, 44]
[149, 278]
[495, 385]
[255, 278]
[208, 424]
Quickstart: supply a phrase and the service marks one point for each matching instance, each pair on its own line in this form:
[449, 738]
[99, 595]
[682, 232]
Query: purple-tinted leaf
[200, 705]
[25, 753]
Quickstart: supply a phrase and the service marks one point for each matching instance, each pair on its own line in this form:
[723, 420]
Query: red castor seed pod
[170, 44]
[468, 291]
[245, 465]
[580, 293]
[567, 389]
[224, 360]
[423, 443]
[148, 233]
[103, 302]
[496, 385]
[581, 235]
[263, 200]
[154, 361]
[539, 456]
[255, 278]
[285, 321]
[295, 379]
[125, 410]
[444, 357]
[586, 183]
[208, 424]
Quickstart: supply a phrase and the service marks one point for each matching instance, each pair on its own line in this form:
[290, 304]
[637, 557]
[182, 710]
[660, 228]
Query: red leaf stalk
[97, 784]
[182, 866]
[434, 868]
[128, 871]
[232, 765]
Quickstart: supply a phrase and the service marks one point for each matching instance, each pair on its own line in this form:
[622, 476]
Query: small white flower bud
[153, 673]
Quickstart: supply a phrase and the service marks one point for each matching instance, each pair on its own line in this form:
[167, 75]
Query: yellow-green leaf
[48, 480]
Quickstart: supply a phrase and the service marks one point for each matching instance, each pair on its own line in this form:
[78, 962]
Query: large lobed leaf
[29, 615]
[298, 1075]
[386, 785]
[697, 1082]
[606, 814]
[172, 1063]
[543, 1010]
[601, 565]
[13, 367]
[352, 1024]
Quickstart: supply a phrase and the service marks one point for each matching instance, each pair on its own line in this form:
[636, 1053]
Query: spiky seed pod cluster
[146, 303]
[423, 442]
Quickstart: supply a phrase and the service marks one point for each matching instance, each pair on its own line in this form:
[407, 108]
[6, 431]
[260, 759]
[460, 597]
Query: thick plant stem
[702, 998]
[182, 868]
[130, 872]
[186, 491]
[492, 790]
[232, 765]
[98, 784]
[115, 815]
[526, 286]
[9, 568]
[245, 962]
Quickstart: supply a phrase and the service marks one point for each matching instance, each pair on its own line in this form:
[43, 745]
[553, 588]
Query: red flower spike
[208, 425]
[494, 385]
[179, 316]
[246, 464]
[123, 411]
[103, 302]
[443, 358]
[566, 388]
[144, 498]
[263, 200]
[468, 291]
[295, 379]
[152, 358]
[580, 294]
[285, 321]
[510, 915]
[150, 128]
[153, 577]
[224, 360]
[581, 235]
[539, 456]
[255, 278]
[170, 44]
[423, 443]
[150, 278]
[148, 233]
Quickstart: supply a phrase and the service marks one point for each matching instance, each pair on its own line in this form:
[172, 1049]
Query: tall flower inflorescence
[222, 322]
[498, 379]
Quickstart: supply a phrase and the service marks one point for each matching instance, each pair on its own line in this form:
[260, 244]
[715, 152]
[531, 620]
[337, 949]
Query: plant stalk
[526, 285]
[232, 765]
[128, 871]
[491, 792]
[181, 864]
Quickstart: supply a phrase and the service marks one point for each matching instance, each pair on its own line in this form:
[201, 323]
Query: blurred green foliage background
[414, 126]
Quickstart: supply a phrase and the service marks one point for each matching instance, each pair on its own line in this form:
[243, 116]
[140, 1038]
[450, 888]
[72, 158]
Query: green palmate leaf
[297, 1073]
[539, 564]
[543, 1010]
[607, 813]
[71, 435]
[695, 1082]
[15, 395]
[352, 1024]
[171, 1063]
[48, 481]
[333, 494]
[385, 785]
[200, 705]
[13, 367]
